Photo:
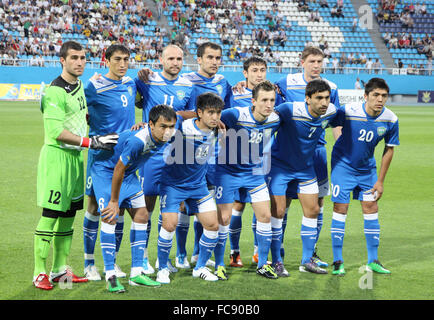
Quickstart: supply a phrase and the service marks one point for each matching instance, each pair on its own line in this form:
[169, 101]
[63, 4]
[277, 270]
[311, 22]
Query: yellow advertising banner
[10, 91]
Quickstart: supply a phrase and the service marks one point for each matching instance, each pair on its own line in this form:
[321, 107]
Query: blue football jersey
[242, 99]
[187, 160]
[134, 148]
[299, 132]
[247, 140]
[360, 135]
[110, 104]
[158, 90]
[217, 84]
[293, 88]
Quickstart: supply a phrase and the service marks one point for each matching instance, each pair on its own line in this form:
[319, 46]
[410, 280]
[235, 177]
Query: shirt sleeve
[284, 111]
[339, 118]
[392, 136]
[334, 98]
[132, 150]
[53, 107]
[90, 94]
[229, 117]
[229, 99]
[280, 97]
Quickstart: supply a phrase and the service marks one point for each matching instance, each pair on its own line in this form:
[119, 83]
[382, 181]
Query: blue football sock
[119, 233]
[320, 222]
[198, 230]
[337, 233]
[372, 235]
[164, 245]
[255, 241]
[264, 236]
[308, 238]
[219, 251]
[284, 221]
[181, 233]
[235, 230]
[276, 239]
[108, 246]
[137, 241]
[207, 244]
[90, 233]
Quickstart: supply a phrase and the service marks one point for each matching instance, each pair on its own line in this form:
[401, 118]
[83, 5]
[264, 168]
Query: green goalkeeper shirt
[64, 107]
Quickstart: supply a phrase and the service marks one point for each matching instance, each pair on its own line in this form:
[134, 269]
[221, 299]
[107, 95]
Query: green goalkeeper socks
[42, 242]
[62, 243]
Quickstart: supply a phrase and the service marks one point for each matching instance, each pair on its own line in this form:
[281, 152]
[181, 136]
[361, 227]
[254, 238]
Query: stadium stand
[31, 32]
[407, 28]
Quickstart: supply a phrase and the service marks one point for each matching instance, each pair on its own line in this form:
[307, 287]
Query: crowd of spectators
[387, 12]
[404, 40]
[34, 28]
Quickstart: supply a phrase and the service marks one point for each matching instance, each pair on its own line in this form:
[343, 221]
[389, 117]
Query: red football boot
[69, 277]
[42, 282]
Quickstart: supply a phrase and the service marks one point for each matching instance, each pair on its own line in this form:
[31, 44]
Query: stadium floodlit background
[396, 44]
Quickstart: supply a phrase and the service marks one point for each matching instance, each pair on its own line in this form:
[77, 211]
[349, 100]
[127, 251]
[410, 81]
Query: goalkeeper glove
[106, 142]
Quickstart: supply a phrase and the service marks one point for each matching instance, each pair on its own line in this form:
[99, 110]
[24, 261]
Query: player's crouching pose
[248, 139]
[184, 180]
[60, 168]
[354, 168]
[116, 184]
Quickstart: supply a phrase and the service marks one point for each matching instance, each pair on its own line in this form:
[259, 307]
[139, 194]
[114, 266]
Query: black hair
[209, 100]
[376, 83]
[161, 110]
[264, 86]
[69, 45]
[317, 85]
[254, 60]
[201, 49]
[114, 48]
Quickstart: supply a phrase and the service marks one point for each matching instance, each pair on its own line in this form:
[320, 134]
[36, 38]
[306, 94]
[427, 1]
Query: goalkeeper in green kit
[60, 181]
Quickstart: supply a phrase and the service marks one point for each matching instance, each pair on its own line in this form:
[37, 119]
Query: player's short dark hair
[202, 47]
[209, 100]
[311, 50]
[161, 110]
[69, 45]
[115, 48]
[317, 85]
[254, 60]
[376, 83]
[264, 86]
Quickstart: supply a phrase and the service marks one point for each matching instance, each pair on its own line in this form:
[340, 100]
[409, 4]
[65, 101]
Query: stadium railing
[225, 67]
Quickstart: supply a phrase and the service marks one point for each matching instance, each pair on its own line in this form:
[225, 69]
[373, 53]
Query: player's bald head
[171, 49]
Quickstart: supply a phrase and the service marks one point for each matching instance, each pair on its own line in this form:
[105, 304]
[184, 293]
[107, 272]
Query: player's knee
[341, 208]
[92, 206]
[369, 207]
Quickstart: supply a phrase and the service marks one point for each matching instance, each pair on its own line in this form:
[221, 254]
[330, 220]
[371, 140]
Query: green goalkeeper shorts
[60, 182]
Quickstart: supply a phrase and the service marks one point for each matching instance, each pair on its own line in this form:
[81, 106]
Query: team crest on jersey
[381, 131]
[180, 94]
[324, 124]
[130, 91]
[219, 88]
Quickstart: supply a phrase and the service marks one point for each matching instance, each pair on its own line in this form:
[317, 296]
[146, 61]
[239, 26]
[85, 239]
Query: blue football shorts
[229, 187]
[197, 199]
[130, 196]
[345, 180]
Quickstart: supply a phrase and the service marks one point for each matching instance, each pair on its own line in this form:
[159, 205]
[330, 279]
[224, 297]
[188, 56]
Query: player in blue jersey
[207, 79]
[354, 168]
[184, 181]
[292, 88]
[117, 185]
[242, 167]
[302, 125]
[168, 87]
[110, 99]
[255, 71]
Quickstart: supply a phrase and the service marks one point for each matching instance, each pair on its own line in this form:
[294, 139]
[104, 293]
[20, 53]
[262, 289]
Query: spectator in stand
[323, 4]
[368, 65]
[400, 64]
[377, 66]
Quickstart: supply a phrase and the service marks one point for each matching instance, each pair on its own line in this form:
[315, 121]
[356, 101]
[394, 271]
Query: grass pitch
[406, 218]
